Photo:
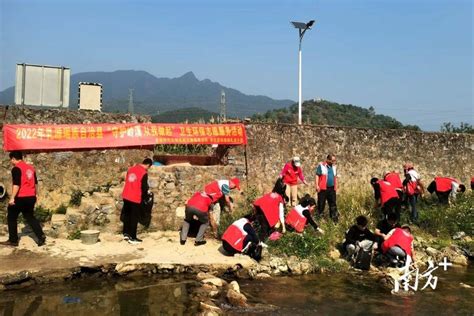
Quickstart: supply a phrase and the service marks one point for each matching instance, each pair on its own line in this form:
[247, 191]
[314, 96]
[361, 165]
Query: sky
[410, 59]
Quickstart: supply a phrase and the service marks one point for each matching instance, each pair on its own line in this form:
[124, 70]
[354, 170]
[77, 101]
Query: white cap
[296, 161]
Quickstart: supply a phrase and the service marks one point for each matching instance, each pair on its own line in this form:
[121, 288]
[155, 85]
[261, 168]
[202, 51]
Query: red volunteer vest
[444, 184]
[27, 184]
[214, 190]
[296, 219]
[235, 234]
[399, 238]
[270, 205]
[387, 191]
[394, 179]
[200, 201]
[323, 177]
[132, 191]
[291, 175]
[412, 187]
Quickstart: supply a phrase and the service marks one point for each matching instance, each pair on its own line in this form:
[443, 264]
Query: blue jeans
[412, 201]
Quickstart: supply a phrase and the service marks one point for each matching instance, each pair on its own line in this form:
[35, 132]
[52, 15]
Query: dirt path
[157, 248]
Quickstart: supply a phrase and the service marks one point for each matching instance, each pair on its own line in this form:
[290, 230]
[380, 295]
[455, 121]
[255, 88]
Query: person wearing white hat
[290, 174]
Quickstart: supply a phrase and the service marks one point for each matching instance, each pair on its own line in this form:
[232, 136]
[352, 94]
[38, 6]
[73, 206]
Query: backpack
[363, 259]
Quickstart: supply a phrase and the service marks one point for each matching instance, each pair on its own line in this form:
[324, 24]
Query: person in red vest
[472, 183]
[219, 190]
[290, 174]
[301, 215]
[386, 196]
[22, 200]
[398, 246]
[394, 178]
[134, 193]
[198, 206]
[270, 210]
[446, 187]
[413, 187]
[240, 237]
[326, 186]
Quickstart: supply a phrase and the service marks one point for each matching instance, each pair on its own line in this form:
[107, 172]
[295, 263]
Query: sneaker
[9, 243]
[199, 243]
[182, 242]
[134, 241]
[126, 237]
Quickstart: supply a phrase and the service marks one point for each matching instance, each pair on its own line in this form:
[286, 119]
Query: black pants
[392, 206]
[26, 206]
[330, 195]
[131, 212]
[265, 228]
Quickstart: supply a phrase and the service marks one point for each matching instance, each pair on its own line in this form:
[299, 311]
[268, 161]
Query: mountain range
[152, 95]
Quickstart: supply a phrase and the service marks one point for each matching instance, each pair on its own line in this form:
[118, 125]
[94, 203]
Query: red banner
[33, 137]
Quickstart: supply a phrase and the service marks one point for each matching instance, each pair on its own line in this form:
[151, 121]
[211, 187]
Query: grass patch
[76, 198]
[304, 245]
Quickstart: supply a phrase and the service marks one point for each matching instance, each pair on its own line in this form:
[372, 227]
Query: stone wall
[361, 154]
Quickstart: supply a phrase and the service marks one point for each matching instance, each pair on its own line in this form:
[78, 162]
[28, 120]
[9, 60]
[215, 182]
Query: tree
[448, 127]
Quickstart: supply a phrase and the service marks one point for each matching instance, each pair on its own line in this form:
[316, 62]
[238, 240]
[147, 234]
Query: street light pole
[302, 27]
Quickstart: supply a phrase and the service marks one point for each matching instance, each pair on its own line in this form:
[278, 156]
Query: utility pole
[222, 117]
[130, 101]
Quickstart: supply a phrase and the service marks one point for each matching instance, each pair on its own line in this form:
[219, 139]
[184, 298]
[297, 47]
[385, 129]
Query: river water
[320, 294]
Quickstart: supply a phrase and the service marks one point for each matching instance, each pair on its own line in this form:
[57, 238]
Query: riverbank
[160, 252]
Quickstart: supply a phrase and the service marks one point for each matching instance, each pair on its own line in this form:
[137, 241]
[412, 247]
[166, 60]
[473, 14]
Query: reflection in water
[140, 296]
[357, 294]
[323, 294]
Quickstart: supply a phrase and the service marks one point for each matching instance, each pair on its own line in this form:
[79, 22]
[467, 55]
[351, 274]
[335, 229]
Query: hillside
[331, 113]
[181, 115]
[153, 95]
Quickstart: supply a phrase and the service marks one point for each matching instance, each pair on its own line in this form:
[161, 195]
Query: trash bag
[363, 259]
[145, 211]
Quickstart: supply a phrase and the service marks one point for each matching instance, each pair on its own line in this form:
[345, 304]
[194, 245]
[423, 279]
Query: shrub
[74, 235]
[76, 198]
[62, 209]
[42, 214]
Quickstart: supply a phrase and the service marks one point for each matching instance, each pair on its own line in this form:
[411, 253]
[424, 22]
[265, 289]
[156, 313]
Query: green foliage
[448, 127]
[305, 245]
[444, 221]
[76, 198]
[42, 214]
[179, 149]
[324, 112]
[74, 235]
[62, 209]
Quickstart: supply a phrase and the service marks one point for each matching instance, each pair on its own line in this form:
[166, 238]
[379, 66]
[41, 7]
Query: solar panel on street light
[299, 25]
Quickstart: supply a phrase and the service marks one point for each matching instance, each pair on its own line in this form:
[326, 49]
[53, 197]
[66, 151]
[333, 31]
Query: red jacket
[27, 184]
[401, 239]
[235, 234]
[270, 205]
[290, 174]
[132, 191]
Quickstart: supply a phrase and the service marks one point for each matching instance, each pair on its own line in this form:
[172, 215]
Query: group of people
[268, 211]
